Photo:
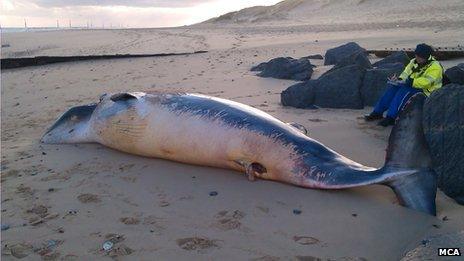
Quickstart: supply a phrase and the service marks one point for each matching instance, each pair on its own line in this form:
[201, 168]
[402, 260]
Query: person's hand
[393, 78]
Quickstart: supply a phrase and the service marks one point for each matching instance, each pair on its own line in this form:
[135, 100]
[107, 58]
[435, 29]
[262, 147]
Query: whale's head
[71, 127]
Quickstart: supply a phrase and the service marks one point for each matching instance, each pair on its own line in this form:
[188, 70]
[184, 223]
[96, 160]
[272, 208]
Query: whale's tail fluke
[408, 150]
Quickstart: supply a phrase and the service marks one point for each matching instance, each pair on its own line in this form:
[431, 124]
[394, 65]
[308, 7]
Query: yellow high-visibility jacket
[427, 78]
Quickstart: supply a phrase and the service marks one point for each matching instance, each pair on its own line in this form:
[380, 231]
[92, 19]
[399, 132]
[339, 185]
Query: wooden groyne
[440, 53]
[10, 63]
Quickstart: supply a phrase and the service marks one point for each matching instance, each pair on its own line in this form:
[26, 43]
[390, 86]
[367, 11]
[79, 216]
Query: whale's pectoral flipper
[408, 151]
[252, 169]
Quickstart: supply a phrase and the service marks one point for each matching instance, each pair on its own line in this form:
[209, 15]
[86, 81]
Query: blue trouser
[394, 99]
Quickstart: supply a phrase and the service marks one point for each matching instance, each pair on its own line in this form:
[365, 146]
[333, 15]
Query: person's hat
[423, 50]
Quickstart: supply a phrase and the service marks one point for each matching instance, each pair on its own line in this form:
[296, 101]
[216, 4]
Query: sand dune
[426, 12]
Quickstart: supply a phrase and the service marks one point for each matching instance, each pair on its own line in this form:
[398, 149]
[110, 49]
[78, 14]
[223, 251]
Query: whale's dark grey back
[241, 116]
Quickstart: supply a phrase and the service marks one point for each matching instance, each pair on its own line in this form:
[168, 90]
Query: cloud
[135, 13]
[131, 3]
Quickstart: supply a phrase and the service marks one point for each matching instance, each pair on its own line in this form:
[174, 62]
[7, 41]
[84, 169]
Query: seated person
[422, 74]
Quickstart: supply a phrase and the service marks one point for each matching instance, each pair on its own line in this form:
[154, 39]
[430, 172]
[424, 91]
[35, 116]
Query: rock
[300, 95]
[456, 74]
[444, 130]
[359, 58]
[259, 67]
[314, 56]
[286, 68]
[375, 82]
[340, 88]
[335, 55]
[397, 57]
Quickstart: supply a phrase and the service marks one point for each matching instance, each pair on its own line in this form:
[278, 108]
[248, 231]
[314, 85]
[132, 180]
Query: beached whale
[203, 130]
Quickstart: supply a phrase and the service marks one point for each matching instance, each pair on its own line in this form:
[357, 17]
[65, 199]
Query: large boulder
[359, 58]
[456, 74]
[340, 88]
[335, 55]
[375, 82]
[300, 95]
[444, 130]
[396, 57]
[286, 68]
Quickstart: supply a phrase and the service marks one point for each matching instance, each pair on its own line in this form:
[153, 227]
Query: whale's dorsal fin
[298, 127]
[126, 96]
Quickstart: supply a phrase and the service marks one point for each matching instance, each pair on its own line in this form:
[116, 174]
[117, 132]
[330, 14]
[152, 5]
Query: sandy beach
[62, 202]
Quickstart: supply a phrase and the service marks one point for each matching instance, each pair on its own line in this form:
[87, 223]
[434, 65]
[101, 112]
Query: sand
[65, 201]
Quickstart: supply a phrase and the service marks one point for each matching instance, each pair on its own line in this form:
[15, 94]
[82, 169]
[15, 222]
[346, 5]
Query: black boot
[387, 122]
[373, 116]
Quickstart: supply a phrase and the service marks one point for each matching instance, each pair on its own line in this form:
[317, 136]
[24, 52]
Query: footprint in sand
[40, 210]
[304, 240]
[229, 220]
[119, 249]
[48, 249]
[24, 190]
[40, 215]
[19, 251]
[317, 120]
[196, 243]
[308, 258]
[130, 220]
[88, 198]
[266, 258]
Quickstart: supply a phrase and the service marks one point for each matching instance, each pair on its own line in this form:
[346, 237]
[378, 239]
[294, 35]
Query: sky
[125, 13]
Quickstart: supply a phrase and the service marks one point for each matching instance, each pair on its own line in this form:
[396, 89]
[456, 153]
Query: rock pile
[352, 83]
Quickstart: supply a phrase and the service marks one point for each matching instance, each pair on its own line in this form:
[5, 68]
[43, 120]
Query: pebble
[108, 245]
[51, 243]
[72, 212]
[5, 227]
